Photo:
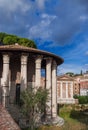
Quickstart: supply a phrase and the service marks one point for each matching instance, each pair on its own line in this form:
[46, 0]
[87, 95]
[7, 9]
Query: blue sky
[57, 26]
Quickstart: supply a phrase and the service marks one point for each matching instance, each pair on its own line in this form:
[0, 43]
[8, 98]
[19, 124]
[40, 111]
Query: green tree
[70, 73]
[27, 42]
[33, 105]
[2, 35]
[9, 40]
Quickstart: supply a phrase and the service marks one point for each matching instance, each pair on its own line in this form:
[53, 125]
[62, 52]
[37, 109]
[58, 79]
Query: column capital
[24, 58]
[61, 82]
[54, 63]
[25, 54]
[38, 58]
[67, 82]
[6, 58]
[48, 59]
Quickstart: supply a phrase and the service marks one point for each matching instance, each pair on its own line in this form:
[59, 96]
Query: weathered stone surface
[57, 121]
[6, 121]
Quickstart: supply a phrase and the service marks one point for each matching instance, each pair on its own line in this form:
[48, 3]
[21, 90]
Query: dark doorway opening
[18, 94]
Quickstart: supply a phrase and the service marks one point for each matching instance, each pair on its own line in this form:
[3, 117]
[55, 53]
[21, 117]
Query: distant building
[65, 90]
[77, 85]
[81, 84]
[84, 84]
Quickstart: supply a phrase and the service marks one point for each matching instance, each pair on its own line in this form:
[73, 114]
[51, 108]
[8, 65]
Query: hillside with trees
[9, 39]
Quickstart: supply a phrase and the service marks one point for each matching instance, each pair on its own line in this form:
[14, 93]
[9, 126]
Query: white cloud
[42, 28]
[86, 52]
[41, 3]
[13, 5]
[39, 31]
[64, 68]
[47, 17]
[83, 17]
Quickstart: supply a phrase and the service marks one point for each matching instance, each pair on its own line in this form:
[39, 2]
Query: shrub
[33, 105]
[82, 99]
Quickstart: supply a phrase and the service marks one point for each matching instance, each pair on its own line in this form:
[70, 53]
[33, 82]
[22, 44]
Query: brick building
[84, 84]
[77, 85]
[81, 84]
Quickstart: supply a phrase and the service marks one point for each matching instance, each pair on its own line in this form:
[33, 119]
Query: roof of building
[18, 48]
[65, 78]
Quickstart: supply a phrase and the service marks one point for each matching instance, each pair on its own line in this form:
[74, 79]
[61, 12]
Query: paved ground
[6, 121]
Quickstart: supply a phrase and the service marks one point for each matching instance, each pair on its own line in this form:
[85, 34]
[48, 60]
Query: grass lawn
[74, 120]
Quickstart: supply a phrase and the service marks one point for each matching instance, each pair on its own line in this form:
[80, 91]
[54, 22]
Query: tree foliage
[81, 99]
[9, 39]
[70, 74]
[2, 35]
[33, 105]
[26, 42]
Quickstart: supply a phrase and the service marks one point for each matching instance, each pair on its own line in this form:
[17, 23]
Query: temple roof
[65, 78]
[19, 48]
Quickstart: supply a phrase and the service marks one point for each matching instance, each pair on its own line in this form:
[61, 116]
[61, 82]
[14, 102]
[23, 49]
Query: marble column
[48, 86]
[71, 89]
[5, 79]
[61, 94]
[66, 89]
[24, 58]
[38, 61]
[54, 89]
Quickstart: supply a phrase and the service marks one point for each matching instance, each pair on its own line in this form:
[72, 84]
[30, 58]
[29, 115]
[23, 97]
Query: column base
[5, 101]
[57, 121]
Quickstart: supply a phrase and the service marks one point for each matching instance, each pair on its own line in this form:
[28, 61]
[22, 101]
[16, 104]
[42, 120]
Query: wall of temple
[15, 74]
[31, 71]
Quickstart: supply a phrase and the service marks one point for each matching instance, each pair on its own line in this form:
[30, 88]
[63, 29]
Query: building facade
[65, 90]
[21, 67]
[81, 85]
[77, 85]
[84, 85]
